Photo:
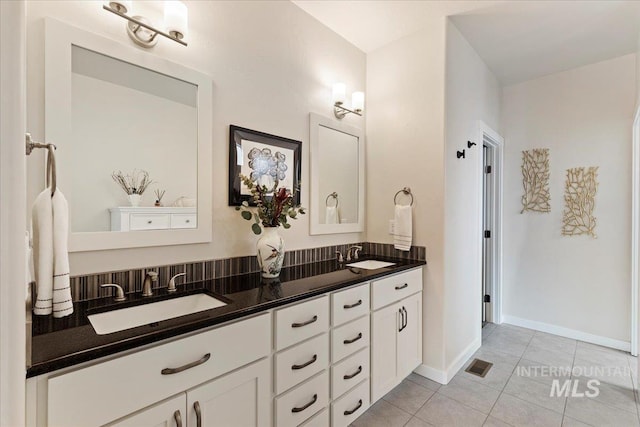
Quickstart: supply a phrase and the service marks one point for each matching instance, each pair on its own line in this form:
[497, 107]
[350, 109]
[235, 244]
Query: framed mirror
[119, 116]
[337, 176]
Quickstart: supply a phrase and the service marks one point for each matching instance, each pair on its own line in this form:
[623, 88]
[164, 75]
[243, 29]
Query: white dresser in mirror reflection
[152, 218]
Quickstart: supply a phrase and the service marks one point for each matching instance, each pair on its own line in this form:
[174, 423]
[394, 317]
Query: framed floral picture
[265, 158]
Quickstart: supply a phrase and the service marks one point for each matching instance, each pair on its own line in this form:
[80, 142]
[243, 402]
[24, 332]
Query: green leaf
[246, 215]
[256, 217]
[292, 213]
[237, 208]
[286, 225]
[256, 228]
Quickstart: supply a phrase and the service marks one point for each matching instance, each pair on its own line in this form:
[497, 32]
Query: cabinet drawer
[301, 321]
[391, 289]
[184, 220]
[149, 221]
[301, 362]
[349, 338]
[135, 381]
[299, 404]
[350, 304]
[349, 372]
[318, 420]
[350, 406]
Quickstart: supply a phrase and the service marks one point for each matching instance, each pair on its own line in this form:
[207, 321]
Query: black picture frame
[236, 135]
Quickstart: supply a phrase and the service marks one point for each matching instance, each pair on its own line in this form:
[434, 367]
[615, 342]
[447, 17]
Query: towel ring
[405, 190]
[335, 196]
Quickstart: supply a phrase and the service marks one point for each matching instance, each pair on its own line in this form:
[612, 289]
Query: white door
[170, 413]
[239, 399]
[385, 324]
[410, 336]
[488, 204]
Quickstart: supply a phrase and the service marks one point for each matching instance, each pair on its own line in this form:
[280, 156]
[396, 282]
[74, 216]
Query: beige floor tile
[570, 422]
[541, 372]
[553, 342]
[598, 414]
[506, 344]
[408, 396]
[496, 378]
[443, 411]
[424, 382]
[535, 392]
[521, 413]
[548, 356]
[498, 358]
[612, 395]
[471, 393]
[494, 422]
[417, 422]
[382, 414]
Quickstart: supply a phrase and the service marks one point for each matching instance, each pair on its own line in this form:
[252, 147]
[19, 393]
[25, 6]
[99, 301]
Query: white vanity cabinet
[396, 330]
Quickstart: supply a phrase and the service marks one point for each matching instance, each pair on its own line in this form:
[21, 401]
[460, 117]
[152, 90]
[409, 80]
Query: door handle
[349, 376]
[352, 340]
[401, 320]
[308, 322]
[178, 418]
[402, 287]
[405, 318]
[351, 411]
[304, 365]
[171, 371]
[196, 407]
[355, 304]
[302, 408]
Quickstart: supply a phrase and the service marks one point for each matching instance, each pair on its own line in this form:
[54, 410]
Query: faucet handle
[340, 258]
[172, 282]
[119, 291]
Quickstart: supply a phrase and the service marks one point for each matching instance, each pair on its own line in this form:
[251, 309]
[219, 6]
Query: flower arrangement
[274, 206]
[136, 183]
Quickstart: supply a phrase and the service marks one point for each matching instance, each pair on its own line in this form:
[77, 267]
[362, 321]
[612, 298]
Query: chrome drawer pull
[196, 407]
[355, 304]
[304, 365]
[401, 287]
[358, 406]
[308, 322]
[352, 340]
[178, 418]
[302, 408]
[356, 373]
[170, 371]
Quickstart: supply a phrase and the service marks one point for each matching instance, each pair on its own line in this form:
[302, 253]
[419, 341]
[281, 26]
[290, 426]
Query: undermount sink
[131, 317]
[371, 264]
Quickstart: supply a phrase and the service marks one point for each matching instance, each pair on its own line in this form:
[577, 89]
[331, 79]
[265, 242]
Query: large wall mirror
[113, 109]
[337, 177]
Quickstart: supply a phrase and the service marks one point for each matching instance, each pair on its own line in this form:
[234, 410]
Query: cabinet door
[170, 413]
[410, 336]
[239, 399]
[385, 324]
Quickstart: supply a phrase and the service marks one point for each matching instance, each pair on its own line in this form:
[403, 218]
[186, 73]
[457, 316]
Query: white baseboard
[443, 377]
[567, 333]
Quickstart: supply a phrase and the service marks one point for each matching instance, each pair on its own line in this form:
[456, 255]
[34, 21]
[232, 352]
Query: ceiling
[518, 40]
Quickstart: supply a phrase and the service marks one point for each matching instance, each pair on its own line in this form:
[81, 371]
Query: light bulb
[339, 93]
[122, 6]
[176, 18]
[357, 101]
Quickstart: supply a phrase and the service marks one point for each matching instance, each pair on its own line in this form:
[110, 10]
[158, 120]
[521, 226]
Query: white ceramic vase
[270, 248]
[134, 199]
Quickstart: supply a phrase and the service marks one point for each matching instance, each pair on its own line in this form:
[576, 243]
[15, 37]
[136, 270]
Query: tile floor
[517, 389]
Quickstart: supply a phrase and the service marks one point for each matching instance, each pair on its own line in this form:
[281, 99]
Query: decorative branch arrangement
[579, 198]
[159, 195]
[136, 183]
[535, 179]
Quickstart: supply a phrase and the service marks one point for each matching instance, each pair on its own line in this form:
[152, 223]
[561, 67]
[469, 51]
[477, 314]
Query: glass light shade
[357, 101]
[339, 93]
[122, 6]
[176, 18]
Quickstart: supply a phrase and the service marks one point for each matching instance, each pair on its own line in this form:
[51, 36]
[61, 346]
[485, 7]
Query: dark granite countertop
[59, 343]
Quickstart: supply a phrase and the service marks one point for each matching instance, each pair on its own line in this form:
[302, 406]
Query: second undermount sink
[131, 317]
[371, 264]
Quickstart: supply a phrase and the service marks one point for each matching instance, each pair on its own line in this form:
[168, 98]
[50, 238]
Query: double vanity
[316, 348]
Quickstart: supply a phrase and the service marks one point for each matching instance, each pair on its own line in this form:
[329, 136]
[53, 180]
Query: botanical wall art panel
[535, 180]
[579, 198]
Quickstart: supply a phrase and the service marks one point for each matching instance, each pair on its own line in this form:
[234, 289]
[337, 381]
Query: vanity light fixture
[339, 96]
[142, 31]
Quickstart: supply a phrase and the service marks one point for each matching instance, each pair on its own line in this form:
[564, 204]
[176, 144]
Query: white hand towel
[50, 219]
[28, 263]
[403, 228]
[332, 216]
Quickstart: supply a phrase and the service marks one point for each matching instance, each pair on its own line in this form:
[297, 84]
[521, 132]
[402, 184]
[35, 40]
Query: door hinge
[487, 298]
[487, 234]
[487, 169]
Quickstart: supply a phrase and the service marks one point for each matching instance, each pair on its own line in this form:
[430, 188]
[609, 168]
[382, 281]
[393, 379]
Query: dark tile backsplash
[88, 287]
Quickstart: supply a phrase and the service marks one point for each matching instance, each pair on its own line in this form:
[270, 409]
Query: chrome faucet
[339, 257]
[151, 276]
[356, 251]
[120, 296]
[171, 287]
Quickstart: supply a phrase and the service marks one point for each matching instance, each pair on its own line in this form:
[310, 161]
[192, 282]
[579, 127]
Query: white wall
[405, 148]
[472, 93]
[12, 213]
[584, 116]
[271, 64]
